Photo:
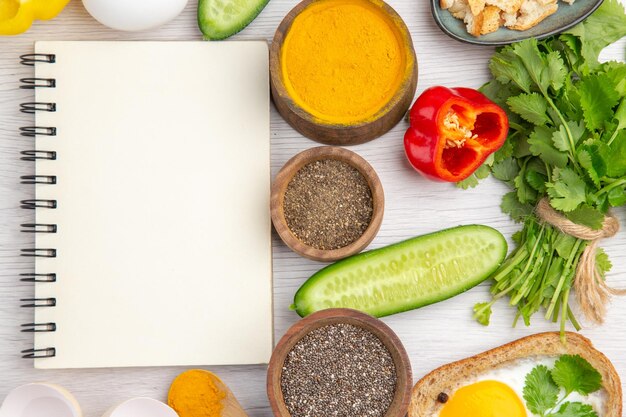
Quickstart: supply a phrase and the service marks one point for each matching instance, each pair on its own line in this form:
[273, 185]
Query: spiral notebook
[152, 198]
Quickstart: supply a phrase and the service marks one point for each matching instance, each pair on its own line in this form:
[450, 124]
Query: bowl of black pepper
[327, 203]
[339, 362]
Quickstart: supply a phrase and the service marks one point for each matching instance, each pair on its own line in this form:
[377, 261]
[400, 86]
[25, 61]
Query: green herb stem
[529, 262]
[567, 271]
[609, 187]
[564, 309]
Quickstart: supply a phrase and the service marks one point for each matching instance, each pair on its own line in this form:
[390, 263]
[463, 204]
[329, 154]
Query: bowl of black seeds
[340, 363]
[327, 203]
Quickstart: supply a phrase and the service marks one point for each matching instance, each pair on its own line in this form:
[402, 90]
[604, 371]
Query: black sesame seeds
[328, 204]
[339, 370]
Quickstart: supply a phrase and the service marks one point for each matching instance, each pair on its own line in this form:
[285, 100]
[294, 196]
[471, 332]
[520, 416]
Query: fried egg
[499, 392]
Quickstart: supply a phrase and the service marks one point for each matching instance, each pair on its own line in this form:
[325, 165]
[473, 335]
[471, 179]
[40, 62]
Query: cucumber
[406, 275]
[219, 19]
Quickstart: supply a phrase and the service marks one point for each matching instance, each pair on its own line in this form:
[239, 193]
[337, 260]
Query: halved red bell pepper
[453, 131]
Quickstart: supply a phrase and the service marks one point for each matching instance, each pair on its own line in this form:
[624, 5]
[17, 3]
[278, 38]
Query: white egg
[141, 407]
[40, 400]
[134, 15]
[514, 374]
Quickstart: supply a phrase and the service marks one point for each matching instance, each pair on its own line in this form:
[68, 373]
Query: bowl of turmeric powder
[342, 72]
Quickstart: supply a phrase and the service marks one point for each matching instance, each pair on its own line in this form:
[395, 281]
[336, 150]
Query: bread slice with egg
[431, 392]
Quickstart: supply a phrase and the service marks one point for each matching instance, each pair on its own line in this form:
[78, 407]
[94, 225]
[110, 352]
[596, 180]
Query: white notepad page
[163, 179]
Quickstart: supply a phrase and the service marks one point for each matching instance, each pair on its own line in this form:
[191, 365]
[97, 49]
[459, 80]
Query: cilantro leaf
[555, 70]
[532, 107]
[605, 26]
[525, 193]
[603, 263]
[620, 114]
[540, 141]
[617, 197]
[616, 158]
[507, 67]
[567, 190]
[616, 71]
[472, 181]
[469, 182]
[560, 139]
[585, 159]
[592, 157]
[577, 130]
[597, 99]
[511, 205]
[570, 47]
[536, 180]
[574, 374]
[569, 100]
[505, 151]
[587, 216]
[482, 313]
[505, 170]
[532, 60]
[574, 409]
[540, 391]
[483, 171]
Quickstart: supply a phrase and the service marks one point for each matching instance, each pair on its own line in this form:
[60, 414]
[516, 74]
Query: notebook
[152, 204]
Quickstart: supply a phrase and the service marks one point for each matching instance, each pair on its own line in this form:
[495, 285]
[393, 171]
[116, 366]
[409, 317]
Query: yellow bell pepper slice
[16, 16]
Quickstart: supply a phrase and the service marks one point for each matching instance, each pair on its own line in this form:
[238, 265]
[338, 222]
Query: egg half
[134, 15]
[499, 392]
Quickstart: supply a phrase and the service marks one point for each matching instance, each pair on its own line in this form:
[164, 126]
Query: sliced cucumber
[219, 19]
[406, 275]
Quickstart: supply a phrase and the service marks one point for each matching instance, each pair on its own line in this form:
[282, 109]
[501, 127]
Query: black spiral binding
[38, 203]
[32, 83]
[34, 131]
[32, 204]
[34, 155]
[36, 106]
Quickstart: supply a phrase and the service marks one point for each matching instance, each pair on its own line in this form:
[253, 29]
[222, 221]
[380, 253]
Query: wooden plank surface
[432, 336]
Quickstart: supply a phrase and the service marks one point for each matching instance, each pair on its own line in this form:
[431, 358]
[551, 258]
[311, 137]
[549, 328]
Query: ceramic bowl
[134, 15]
[337, 134]
[278, 195]
[400, 402]
[564, 18]
[141, 407]
[40, 400]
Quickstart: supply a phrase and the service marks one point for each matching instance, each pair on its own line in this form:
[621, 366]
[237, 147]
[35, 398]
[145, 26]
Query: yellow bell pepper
[16, 16]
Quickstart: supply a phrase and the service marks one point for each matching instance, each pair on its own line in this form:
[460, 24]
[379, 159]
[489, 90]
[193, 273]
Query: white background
[432, 336]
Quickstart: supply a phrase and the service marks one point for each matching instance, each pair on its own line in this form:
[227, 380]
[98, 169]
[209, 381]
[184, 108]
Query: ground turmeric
[343, 60]
[194, 393]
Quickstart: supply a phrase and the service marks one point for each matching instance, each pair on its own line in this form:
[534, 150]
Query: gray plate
[564, 18]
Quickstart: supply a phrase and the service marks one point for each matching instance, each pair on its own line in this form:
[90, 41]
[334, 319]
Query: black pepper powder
[328, 204]
[338, 370]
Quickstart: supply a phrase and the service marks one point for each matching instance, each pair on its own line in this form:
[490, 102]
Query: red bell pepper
[453, 131]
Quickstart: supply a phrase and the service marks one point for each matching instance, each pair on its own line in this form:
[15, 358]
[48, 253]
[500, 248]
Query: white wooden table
[433, 336]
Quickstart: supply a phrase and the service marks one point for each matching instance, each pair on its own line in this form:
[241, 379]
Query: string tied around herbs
[592, 292]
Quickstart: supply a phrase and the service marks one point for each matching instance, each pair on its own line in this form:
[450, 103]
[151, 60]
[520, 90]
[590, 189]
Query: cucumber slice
[219, 19]
[406, 275]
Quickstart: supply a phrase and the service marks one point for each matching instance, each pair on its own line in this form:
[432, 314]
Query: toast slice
[450, 377]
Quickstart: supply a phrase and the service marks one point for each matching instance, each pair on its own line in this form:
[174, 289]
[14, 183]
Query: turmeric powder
[194, 393]
[343, 60]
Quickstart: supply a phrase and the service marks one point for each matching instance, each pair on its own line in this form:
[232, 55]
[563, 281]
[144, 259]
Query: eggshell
[40, 400]
[134, 15]
[141, 407]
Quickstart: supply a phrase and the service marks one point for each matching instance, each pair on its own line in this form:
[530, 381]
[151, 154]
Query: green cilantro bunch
[566, 143]
[544, 386]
